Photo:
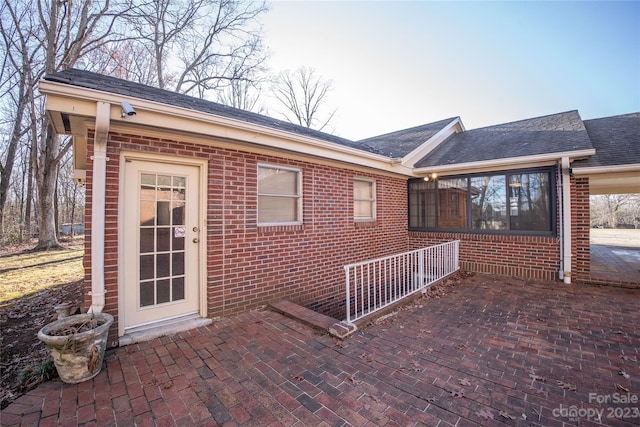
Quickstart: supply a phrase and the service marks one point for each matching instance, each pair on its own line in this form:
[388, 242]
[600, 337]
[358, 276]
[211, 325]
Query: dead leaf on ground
[457, 393]
[483, 413]
[622, 388]
[465, 382]
[431, 399]
[366, 357]
[352, 379]
[629, 358]
[535, 377]
[507, 415]
[297, 377]
[624, 374]
[566, 386]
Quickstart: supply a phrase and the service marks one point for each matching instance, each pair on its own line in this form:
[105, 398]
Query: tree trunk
[46, 181]
[27, 210]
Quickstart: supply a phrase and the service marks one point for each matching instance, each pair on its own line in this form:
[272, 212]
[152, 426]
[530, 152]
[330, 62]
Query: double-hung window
[279, 195]
[364, 199]
[519, 202]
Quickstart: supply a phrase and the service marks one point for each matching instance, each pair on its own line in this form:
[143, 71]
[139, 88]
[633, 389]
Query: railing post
[347, 271]
[421, 256]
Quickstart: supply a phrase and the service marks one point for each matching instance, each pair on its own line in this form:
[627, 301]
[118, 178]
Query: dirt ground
[23, 359]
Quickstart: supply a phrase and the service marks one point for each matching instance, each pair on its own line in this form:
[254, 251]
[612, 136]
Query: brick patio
[489, 352]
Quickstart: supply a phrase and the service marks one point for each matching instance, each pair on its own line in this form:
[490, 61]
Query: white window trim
[374, 201]
[298, 197]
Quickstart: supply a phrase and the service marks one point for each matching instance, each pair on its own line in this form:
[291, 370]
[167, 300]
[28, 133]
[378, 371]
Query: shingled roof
[403, 142]
[616, 140]
[90, 80]
[556, 133]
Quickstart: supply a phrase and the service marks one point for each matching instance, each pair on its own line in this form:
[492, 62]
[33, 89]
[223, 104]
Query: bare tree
[303, 96]
[17, 83]
[200, 46]
[44, 37]
[611, 210]
[242, 93]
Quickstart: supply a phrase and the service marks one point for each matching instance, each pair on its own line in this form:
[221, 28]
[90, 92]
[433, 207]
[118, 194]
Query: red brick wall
[521, 256]
[247, 265]
[580, 226]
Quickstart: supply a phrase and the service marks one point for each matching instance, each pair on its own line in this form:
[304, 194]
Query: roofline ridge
[447, 120]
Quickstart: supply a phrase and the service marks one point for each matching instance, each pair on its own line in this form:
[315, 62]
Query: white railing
[377, 283]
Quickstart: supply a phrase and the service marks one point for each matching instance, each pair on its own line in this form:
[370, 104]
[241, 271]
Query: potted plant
[77, 344]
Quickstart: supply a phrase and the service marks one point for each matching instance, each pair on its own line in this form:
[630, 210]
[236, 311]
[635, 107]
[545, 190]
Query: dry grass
[27, 272]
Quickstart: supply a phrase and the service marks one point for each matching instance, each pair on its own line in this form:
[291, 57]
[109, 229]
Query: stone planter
[77, 344]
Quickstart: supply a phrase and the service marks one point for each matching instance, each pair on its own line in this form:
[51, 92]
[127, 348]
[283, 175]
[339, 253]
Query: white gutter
[607, 169]
[254, 133]
[566, 220]
[507, 163]
[103, 110]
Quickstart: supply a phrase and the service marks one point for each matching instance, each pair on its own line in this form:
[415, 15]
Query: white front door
[160, 241]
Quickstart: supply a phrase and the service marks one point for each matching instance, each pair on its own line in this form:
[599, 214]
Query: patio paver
[489, 352]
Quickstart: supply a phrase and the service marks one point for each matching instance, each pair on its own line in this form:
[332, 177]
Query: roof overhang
[503, 164]
[72, 110]
[620, 179]
[455, 126]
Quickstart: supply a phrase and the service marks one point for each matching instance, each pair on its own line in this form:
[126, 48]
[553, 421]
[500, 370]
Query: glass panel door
[162, 234]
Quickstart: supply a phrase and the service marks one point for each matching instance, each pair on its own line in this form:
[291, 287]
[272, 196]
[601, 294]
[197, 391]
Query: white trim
[151, 113]
[203, 166]
[507, 163]
[299, 197]
[455, 126]
[374, 201]
[593, 170]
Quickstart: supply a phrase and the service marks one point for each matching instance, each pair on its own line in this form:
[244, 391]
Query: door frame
[202, 165]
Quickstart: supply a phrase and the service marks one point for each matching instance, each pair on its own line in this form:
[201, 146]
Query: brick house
[195, 210]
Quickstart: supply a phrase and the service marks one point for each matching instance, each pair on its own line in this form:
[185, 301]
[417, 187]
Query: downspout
[566, 220]
[560, 221]
[103, 112]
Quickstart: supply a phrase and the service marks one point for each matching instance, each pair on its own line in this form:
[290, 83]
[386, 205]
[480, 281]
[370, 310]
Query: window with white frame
[279, 195]
[364, 199]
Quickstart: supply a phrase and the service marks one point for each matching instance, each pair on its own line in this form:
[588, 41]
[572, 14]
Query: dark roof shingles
[90, 80]
[554, 133]
[403, 142]
[616, 140]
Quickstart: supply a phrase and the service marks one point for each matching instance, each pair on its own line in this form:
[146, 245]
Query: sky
[394, 65]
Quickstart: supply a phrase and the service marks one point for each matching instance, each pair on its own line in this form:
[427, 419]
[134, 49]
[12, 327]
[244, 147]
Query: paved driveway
[485, 352]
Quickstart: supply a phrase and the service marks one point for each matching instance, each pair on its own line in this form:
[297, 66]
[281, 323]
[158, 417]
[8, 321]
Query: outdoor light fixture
[431, 176]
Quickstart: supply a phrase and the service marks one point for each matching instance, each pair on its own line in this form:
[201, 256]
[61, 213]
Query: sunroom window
[501, 202]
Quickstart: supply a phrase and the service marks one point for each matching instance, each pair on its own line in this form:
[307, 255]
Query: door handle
[196, 240]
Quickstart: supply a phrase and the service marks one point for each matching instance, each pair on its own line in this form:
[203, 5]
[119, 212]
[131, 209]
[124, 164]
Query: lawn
[24, 273]
[31, 284]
